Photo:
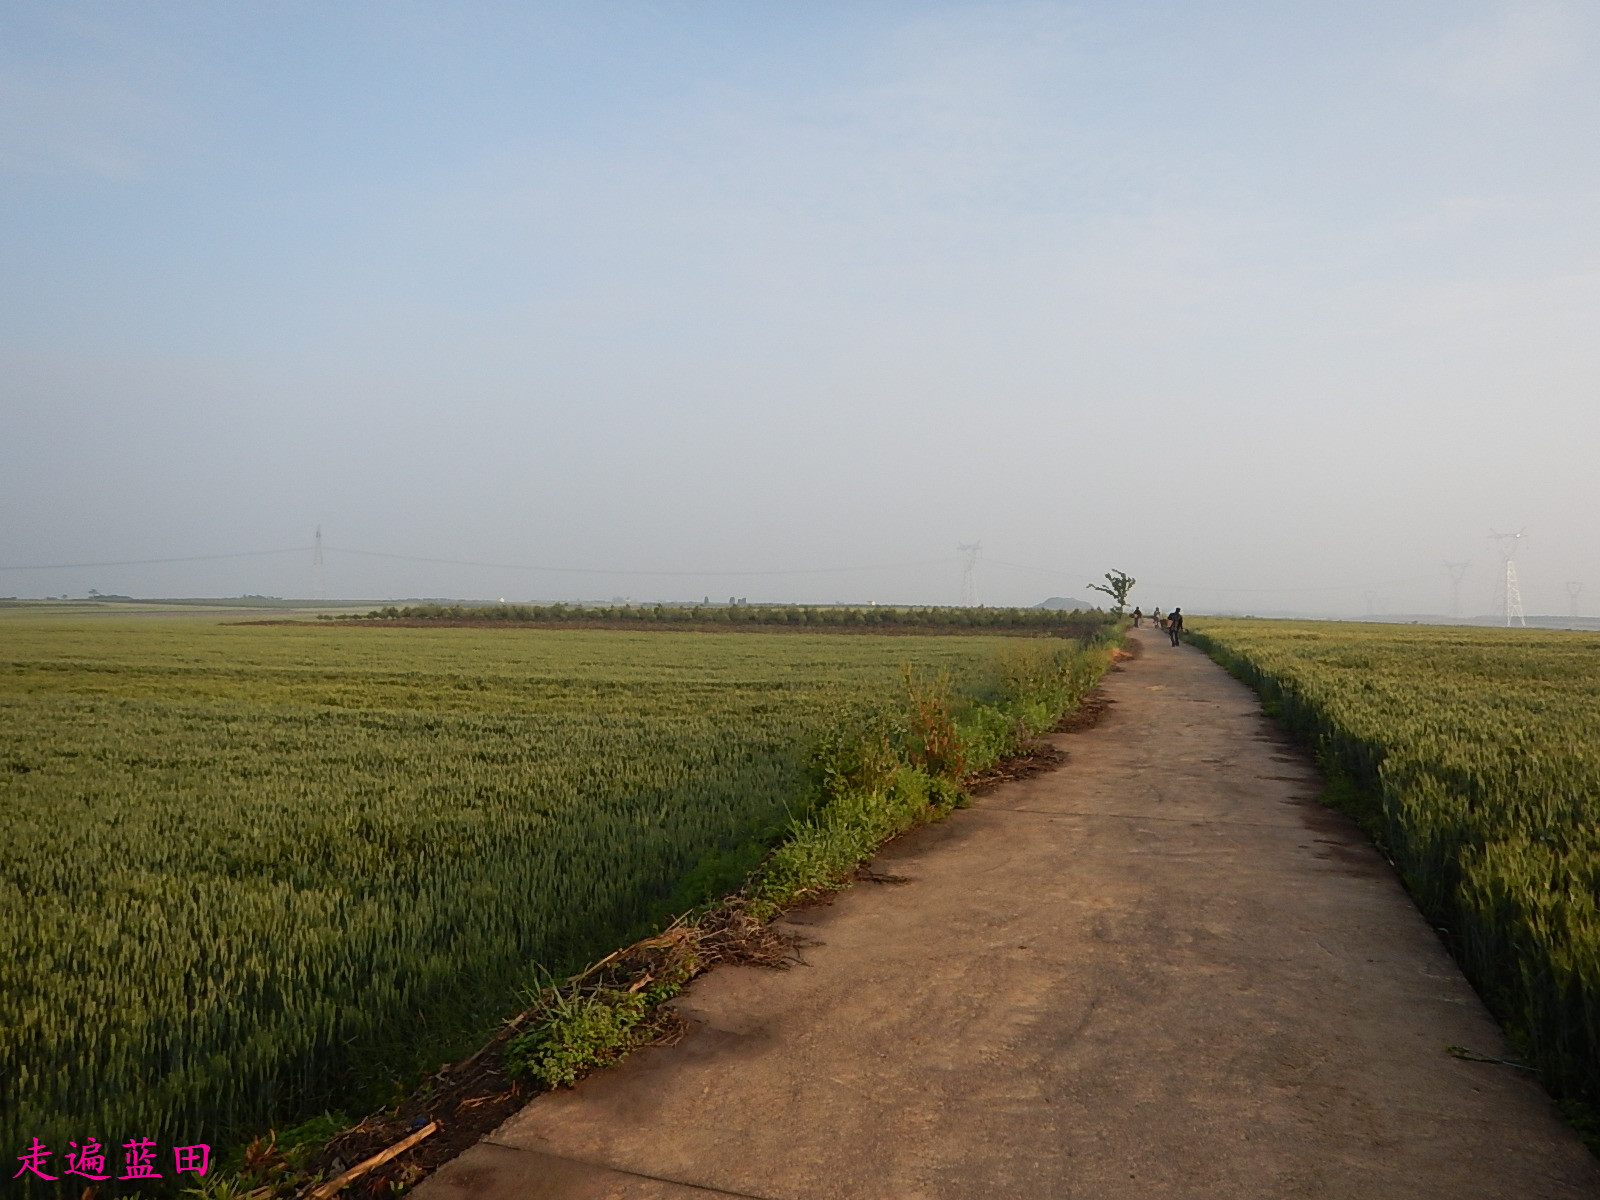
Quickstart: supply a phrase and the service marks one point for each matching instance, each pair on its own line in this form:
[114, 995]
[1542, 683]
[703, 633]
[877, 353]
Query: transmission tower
[1573, 589]
[1457, 570]
[319, 584]
[1511, 604]
[969, 572]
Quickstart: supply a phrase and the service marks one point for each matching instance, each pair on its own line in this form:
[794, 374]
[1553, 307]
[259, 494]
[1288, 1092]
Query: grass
[1473, 755]
[256, 873]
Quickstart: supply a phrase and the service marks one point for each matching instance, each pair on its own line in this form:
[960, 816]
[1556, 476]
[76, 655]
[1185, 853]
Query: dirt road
[1162, 970]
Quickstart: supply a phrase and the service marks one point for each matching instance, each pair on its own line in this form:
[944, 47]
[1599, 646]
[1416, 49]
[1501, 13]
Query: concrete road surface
[1161, 970]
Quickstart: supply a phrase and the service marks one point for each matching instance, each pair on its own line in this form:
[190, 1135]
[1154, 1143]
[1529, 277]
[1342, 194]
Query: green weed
[578, 1031]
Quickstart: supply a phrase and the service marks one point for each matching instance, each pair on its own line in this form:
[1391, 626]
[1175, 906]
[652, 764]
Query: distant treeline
[1069, 622]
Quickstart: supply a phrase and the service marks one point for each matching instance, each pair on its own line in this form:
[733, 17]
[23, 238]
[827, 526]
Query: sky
[1275, 307]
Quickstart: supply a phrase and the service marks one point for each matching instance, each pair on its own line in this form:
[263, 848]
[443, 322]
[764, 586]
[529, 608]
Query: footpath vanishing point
[1162, 970]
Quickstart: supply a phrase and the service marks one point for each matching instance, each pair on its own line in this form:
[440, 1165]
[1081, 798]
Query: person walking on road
[1175, 625]
[1137, 617]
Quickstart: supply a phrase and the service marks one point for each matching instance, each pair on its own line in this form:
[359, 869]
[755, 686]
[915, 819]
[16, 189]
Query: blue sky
[1276, 307]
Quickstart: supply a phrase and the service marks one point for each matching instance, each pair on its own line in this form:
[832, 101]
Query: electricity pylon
[969, 572]
[1457, 570]
[319, 584]
[1573, 588]
[1511, 603]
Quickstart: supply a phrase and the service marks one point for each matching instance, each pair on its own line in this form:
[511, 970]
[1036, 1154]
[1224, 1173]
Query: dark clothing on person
[1137, 617]
[1175, 625]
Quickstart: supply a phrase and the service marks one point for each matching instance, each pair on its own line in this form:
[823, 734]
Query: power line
[319, 579]
[969, 572]
[318, 548]
[1457, 570]
[1193, 587]
[1511, 603]
[454, 562]
[1338, 587]
[1000, 562]
[966, 558]
[150, 562]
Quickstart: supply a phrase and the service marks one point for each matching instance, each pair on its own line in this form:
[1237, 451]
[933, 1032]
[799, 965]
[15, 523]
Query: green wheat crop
[251, 872]
[1482, 747]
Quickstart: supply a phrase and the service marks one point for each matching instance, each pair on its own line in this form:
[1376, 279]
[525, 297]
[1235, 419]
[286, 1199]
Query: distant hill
[1065, 602]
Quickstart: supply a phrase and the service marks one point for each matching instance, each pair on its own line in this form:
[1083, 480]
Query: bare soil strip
[1162, 969]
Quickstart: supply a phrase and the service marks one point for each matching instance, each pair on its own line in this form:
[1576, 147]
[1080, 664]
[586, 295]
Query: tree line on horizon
[884, 616]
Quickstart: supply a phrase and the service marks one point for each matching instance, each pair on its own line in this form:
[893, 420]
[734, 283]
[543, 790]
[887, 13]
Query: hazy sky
[1231, 295]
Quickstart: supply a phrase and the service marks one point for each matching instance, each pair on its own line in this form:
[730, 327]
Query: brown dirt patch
[1036, 760]
[467, 1099]
[1089, 713]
